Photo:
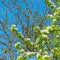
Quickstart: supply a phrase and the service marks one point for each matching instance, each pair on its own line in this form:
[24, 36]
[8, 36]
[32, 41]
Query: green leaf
[37, 29]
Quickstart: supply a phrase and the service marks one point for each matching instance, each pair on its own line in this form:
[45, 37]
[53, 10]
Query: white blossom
[18, 43]
[44, 56]
[44, 31]
[50, 15]
[40, 50]
[22, 51]
[37, 40]
[45, 36]
[27, 39]
[48, 27]
[54, 20]
[30, 53]
[37, 55]
[46, 53]
[58, 8]
[52, 50]
[19, 57]
[14, 27]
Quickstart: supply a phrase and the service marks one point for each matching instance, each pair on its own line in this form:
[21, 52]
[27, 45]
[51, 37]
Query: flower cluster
[47, 42]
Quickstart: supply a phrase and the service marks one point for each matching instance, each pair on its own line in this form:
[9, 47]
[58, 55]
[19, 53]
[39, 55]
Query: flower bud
[17, 45]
